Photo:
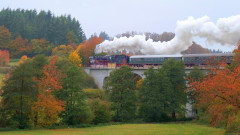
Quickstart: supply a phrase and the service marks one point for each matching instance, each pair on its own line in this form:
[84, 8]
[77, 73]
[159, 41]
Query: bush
[233, 125]
[95, 93]
[4, 70]
[88, 81]
[101, 110]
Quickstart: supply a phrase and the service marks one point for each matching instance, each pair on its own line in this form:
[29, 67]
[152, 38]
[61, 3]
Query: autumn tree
[46, 110]
[19, 47]
[23, 59]
[87, 48]
[41, 46]
[62, 51]
[75, 59]
[122, 88]
[219, 95]
[51, 81]
[20, 91]
[4, 57]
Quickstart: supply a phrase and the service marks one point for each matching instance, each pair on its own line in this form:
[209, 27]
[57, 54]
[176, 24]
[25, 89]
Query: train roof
[184, 55]
[154, 56]
[208, 54]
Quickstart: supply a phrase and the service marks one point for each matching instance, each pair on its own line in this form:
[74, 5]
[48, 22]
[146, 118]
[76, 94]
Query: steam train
[113, 61]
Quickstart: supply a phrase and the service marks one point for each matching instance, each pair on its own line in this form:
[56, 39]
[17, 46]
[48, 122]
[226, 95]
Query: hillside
[195, 49]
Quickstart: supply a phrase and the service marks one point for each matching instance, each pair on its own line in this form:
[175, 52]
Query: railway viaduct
[100, 74]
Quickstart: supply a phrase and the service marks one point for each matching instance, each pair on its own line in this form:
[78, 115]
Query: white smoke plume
[225, 31]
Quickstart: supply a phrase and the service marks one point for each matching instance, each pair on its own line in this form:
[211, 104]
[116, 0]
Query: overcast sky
[116, 17]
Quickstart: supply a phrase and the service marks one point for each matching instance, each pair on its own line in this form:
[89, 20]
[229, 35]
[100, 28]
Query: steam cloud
[226, 31]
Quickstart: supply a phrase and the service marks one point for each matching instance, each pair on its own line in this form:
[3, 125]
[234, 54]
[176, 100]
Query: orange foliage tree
[22, 60]
[219, 95]
[46, 110]
[87, 48]
[4, 57]
[52, 77]
[19, 46]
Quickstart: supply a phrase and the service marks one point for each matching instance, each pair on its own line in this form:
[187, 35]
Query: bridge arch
[100, 75]
[105, 79]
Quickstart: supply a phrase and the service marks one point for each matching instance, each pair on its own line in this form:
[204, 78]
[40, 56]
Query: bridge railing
[154, 67]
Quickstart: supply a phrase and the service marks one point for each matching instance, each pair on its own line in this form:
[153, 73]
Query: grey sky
[120, 16]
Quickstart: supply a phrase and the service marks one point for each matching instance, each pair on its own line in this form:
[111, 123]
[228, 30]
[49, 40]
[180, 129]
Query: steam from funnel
[225, 32]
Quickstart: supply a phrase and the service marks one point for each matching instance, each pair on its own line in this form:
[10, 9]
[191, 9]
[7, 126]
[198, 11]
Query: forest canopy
[31, 24]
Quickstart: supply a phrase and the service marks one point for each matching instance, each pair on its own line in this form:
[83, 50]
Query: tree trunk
[173, 115]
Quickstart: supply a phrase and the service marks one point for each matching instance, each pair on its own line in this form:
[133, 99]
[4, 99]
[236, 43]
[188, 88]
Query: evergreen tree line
[33, 25]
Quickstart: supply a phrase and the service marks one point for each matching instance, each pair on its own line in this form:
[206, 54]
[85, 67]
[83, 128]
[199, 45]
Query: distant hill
[195, 49]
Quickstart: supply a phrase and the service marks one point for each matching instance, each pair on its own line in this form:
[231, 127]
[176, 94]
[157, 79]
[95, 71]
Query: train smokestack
[226, 31]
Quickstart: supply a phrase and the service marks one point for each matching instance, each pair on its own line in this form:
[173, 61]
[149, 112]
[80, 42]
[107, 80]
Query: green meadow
[127, 129]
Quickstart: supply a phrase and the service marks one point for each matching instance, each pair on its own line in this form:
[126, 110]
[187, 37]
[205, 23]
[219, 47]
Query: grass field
[127, 129]
[13, 62]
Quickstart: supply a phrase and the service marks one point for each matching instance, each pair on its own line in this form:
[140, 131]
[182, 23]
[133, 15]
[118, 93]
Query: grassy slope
[129, 129]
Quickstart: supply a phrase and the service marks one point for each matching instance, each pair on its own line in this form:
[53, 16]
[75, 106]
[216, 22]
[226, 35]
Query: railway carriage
[112, 61]
[155, 60]
[202, 59]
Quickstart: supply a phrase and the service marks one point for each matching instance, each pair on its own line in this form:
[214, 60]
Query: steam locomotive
[113, 61]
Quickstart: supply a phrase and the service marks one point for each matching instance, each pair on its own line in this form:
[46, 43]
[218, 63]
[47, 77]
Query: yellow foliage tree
[62, 50]
[75, 59]
[22, 60]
